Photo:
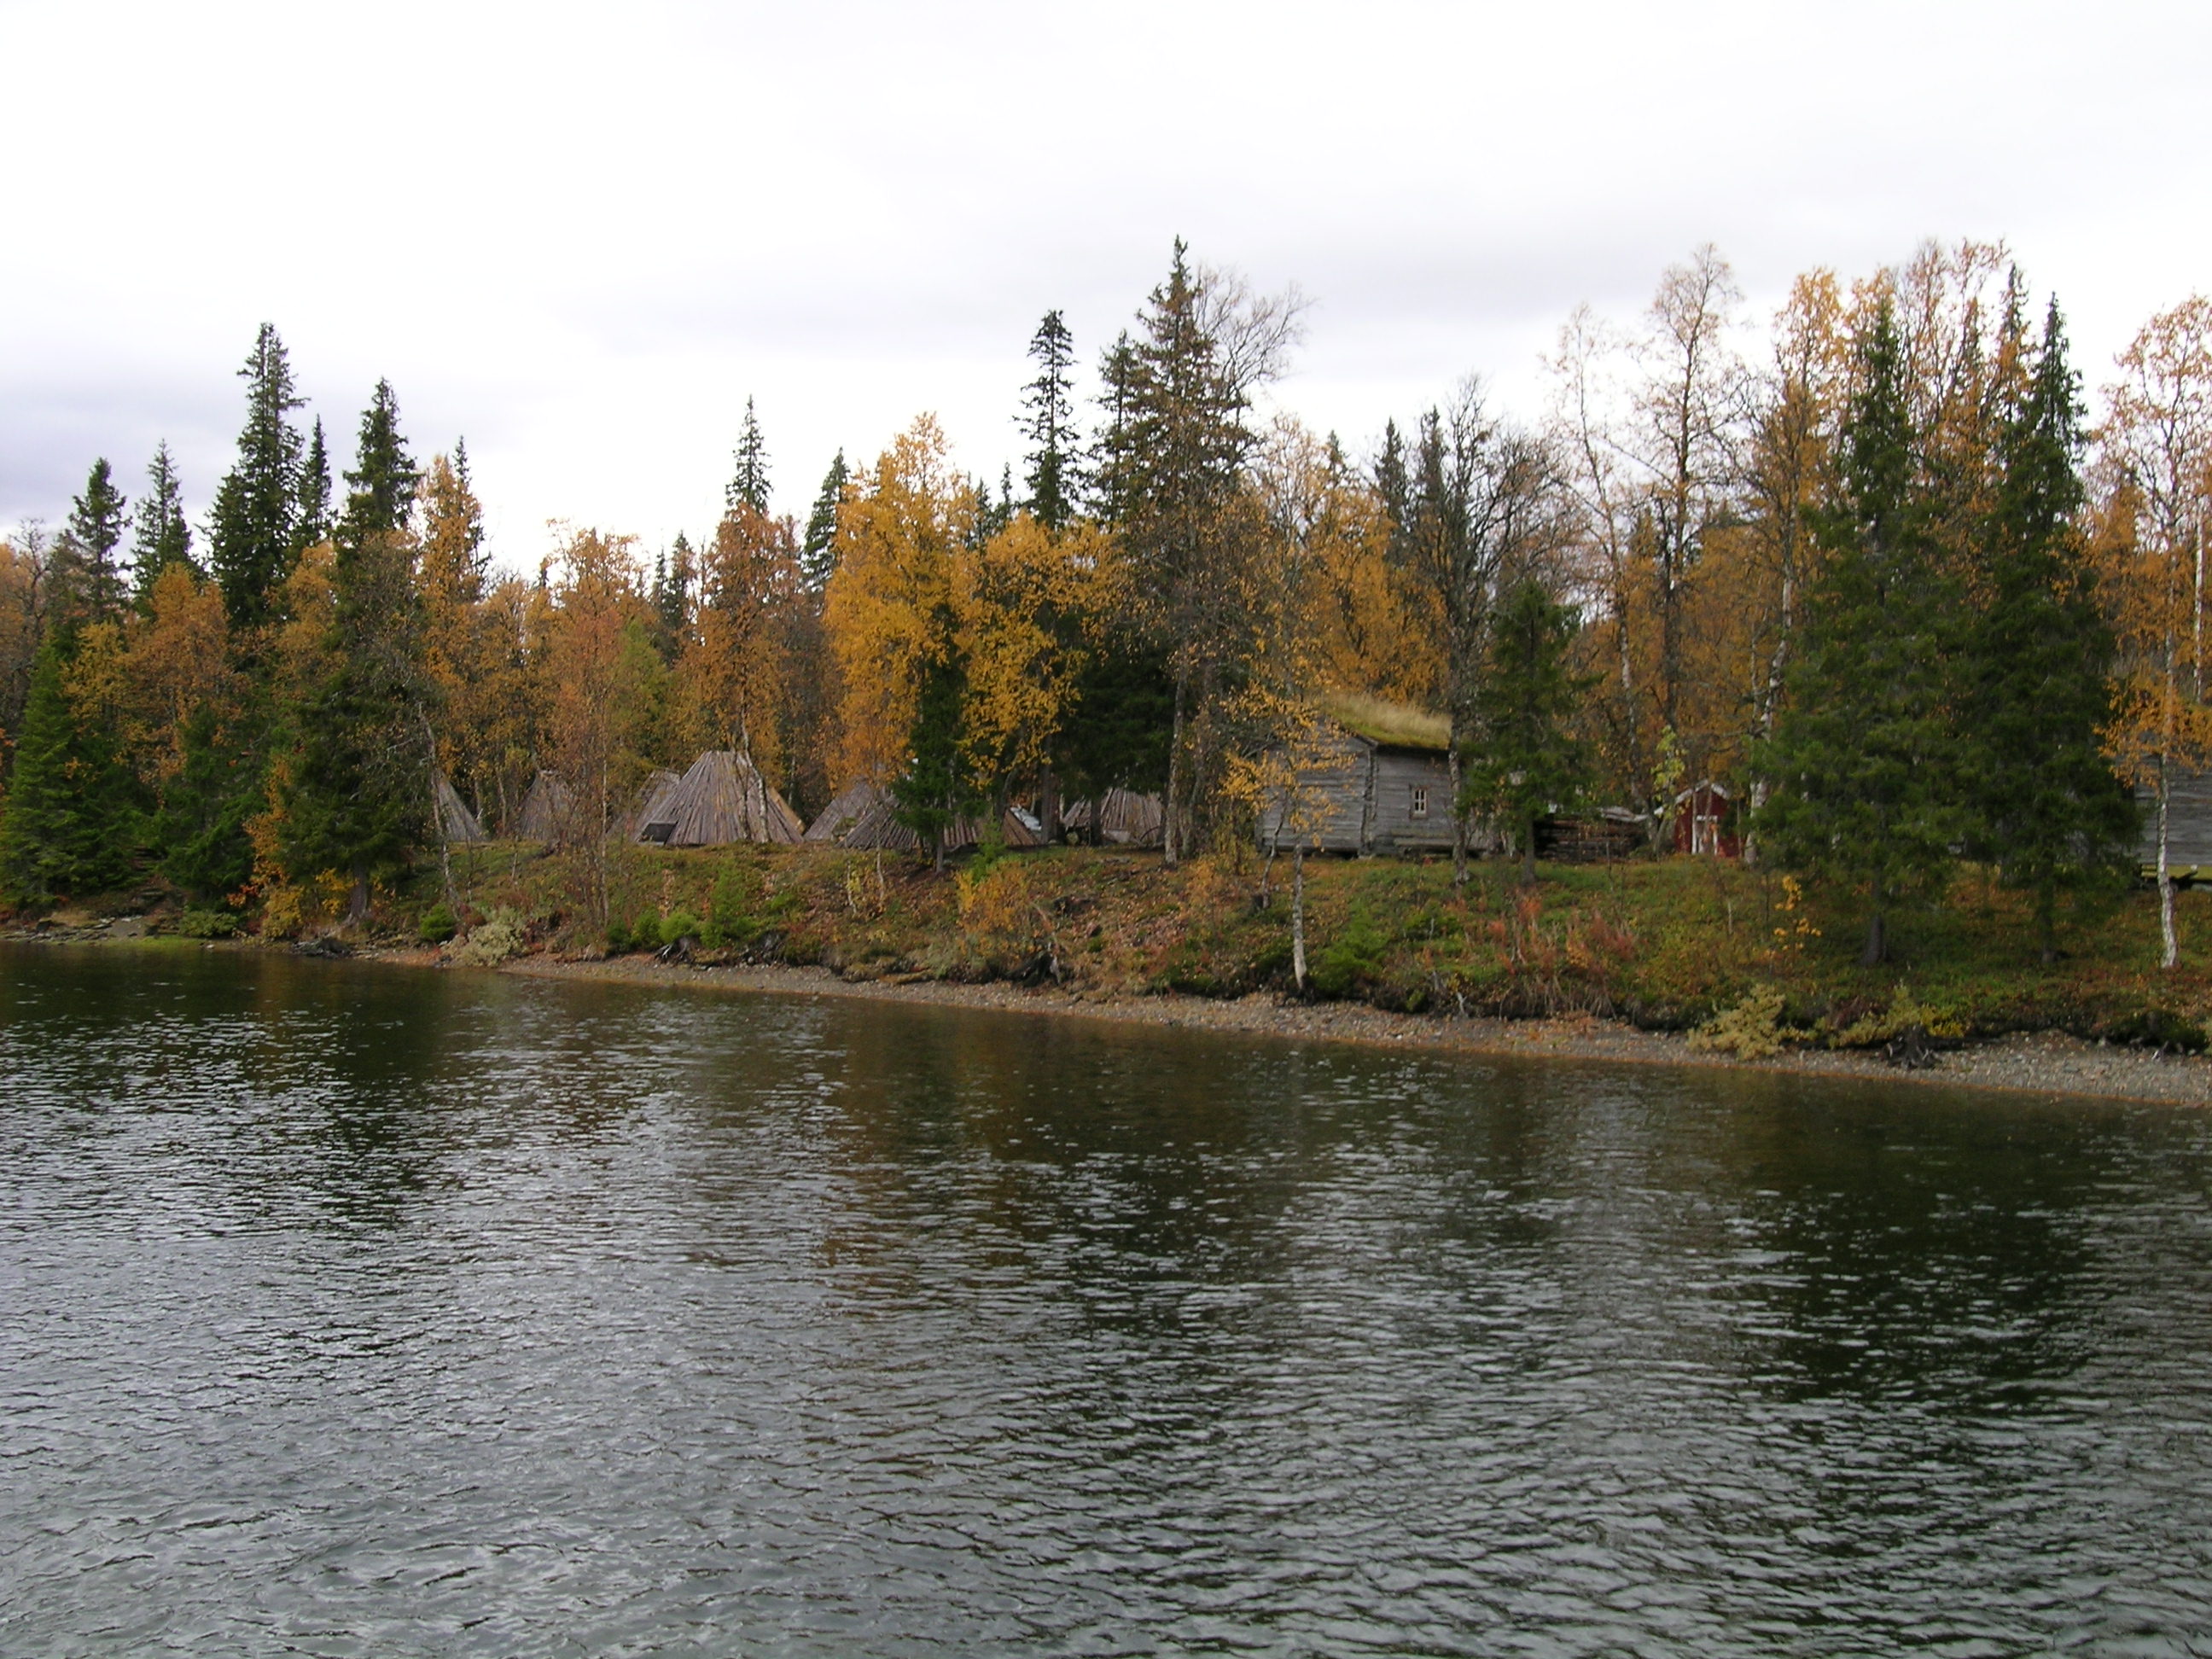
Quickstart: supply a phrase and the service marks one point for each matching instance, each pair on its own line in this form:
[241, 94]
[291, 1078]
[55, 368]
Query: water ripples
[356, 1311]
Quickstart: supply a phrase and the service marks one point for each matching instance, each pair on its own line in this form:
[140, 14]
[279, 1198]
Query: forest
[1878, 564]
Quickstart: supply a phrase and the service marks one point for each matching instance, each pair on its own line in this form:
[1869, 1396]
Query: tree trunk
[2169, 941]
[1458, 807]
[1528, 851]
[1170, 840]
[357, 906]
[1299, 916]
[1877, 941]
[2046, 918]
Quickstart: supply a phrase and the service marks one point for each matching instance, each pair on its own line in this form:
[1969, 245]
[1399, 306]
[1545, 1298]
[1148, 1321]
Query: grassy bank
[1667, 944]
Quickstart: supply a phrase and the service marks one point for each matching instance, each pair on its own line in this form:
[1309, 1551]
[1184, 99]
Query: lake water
[353, 1310]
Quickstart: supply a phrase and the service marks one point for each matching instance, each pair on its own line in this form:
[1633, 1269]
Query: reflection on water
[351, 1311]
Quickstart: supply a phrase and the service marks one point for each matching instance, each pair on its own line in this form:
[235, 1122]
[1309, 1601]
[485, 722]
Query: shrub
[2157, 1028]
[1750, 1030]
[1350, 960]
[493, 940]
[206, 924]
[438, 924]
[617, 936]
[679, 925]
[730, 918]
[1903, 1017]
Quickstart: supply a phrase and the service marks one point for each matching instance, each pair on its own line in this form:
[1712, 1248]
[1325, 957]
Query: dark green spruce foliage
[1116, 736]
[747, 485]
[2049, 813]
[818, 554]
[162, 537]
[1048, 422]
[251, 542]
[71, 823]
[201, 826]
[1526, 763]
[88, 578]
[935, 790]
[380, 487]
[357, 797]
[312, 523]
[1864, 758]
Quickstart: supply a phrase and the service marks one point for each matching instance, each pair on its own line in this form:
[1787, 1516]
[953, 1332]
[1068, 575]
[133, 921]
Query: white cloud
[582, 235]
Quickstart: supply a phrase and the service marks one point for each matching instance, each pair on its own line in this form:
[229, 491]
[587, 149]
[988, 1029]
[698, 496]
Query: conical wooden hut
[547, 810]
[1126, 818]
[649, 805]
[455, 822]
[852, 804]
[877, 826]
[721, 800]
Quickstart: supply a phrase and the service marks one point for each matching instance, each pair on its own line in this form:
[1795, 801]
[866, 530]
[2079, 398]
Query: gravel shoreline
[2049, 1064]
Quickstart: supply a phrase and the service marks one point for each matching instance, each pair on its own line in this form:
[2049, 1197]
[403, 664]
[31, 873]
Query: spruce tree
[2038, 690]
[1525, 760]
[818, 554]
[71, 823]
[313, 523]
[936, 788]
[251, 542]
[90, 584]
[356, 801]
[380, 487]
[162, 537]
[747, 485]
[200, 827]
[1052, 474]
[1864, 760]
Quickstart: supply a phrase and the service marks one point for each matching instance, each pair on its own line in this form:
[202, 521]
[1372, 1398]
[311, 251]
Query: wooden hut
[2188, 827]
[648, 805]
[1705, 821]
[455, 822]
[877, 827]
[723, 800]
[853, 803]
[1592, 837]
[547, 811]
[1125, 818]
[1378, 781]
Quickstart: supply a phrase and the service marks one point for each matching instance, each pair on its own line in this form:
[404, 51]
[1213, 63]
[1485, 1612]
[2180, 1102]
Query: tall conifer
[818, 554]
[2037, 691]
[381, 486]
[91, 581]
[312, 523]
[163, 538]
[251, 545]
[1864, 758]
[1050, 425]
[747, 485]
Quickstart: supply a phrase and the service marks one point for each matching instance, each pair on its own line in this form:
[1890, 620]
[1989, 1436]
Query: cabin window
[1420, 809]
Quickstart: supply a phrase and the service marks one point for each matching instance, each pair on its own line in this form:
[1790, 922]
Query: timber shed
[1379, 782]
[2188, 826]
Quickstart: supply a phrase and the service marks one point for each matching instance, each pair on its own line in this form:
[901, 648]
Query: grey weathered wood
[2189, 821]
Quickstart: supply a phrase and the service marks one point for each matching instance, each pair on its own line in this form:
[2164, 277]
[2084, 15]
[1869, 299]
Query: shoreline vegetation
[1683, 962]
[1866, 672]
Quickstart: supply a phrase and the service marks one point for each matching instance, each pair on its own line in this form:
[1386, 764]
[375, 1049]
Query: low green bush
[439, 924]
[206, 924]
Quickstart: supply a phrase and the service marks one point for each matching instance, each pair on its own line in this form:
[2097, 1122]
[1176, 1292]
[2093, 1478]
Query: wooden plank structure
[846, 809]
[1705, 821]
[2188, 828]
[651, 799]
[1379, 780]
[723, 800]
[877, 827]
[455, 822]
[1126, 818]
[547, 810]
[1597, 837]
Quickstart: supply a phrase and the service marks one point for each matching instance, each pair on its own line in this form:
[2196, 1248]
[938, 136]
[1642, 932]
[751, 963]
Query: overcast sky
[582, 235]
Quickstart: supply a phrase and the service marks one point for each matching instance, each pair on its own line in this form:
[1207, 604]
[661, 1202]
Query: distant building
[2188, 826]
[1380, 782]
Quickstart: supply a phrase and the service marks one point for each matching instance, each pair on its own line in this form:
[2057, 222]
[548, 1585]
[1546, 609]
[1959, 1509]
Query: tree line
[1873, 565]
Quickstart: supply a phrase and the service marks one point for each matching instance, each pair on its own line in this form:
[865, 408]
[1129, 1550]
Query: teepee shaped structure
[722, 800]
[652, 797]
[455, 821]
[853, 804]
[547, 810]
